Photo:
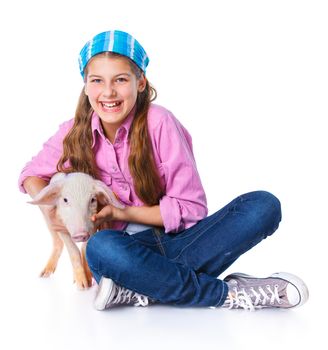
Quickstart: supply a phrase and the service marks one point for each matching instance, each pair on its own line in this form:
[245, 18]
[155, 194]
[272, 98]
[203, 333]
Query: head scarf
[114, 41]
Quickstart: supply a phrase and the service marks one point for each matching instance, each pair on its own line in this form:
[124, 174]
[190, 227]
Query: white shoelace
[244, 300]
[126, 296]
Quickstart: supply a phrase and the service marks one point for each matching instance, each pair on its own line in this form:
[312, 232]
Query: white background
[248, 79]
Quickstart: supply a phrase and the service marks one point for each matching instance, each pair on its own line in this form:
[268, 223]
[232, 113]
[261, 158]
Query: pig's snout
[81, 236]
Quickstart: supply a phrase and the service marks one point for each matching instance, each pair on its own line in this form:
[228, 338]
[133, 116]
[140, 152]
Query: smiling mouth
[111, 104]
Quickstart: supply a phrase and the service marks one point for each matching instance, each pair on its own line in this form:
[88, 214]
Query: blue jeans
[182, 268]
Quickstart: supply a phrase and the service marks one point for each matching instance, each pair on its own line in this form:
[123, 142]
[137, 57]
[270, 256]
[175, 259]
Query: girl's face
[112, 89]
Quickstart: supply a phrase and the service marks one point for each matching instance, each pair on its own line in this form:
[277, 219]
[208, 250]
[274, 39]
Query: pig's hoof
[81, 280]
[48, 270]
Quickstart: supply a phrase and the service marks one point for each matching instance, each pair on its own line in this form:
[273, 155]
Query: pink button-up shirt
[184, 201]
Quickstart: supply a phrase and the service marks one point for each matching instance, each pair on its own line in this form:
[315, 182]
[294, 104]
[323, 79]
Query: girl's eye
[121, 80]
[95, 80]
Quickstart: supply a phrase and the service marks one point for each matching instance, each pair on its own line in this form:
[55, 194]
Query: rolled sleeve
[44, 164]
[184, 202]
[171, 214]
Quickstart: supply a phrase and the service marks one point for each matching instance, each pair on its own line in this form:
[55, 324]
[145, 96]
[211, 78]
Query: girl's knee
[269, 211]
[264, 210]
[272, 205]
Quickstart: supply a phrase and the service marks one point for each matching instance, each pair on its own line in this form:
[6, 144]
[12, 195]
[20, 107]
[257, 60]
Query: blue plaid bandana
[114, 41]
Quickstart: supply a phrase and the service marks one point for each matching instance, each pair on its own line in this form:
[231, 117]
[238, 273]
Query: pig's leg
[55, 255]
[85, 264]
[75, 256]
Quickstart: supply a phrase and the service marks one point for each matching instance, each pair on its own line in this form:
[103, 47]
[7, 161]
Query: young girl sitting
[162, 248]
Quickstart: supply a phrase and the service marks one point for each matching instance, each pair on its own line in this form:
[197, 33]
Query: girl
[161, 248]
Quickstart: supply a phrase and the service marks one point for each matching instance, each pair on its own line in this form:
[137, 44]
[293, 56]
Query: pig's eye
[93, 200]
[65, 200]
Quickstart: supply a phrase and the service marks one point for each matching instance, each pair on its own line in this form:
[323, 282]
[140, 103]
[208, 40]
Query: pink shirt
[184, 202]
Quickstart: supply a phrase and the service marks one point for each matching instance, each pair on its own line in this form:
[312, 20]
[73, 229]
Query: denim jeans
[183, 268]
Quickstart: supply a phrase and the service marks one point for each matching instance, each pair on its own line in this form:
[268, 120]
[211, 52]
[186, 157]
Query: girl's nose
[109, 91]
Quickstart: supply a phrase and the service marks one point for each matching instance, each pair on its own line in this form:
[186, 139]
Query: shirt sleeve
[44, 164]
[184, 202]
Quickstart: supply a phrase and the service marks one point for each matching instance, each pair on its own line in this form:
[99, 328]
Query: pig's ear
[48, 195]
[106, 195]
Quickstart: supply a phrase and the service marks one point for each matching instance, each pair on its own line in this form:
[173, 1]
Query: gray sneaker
[110, 294]
[280, 290]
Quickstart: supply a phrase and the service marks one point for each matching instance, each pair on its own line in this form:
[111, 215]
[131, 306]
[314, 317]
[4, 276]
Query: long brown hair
[78, 151]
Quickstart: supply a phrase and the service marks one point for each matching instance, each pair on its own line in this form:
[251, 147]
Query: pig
[75, 198]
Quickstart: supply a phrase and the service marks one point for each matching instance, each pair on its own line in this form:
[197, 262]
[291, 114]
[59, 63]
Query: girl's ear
[142, 82]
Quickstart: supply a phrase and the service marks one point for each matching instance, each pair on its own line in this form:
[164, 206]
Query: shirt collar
[96, 126]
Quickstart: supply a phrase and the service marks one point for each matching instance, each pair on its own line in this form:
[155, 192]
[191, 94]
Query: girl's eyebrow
[99, 76]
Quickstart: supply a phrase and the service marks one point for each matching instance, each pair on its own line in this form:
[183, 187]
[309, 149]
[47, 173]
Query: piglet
[75, 197]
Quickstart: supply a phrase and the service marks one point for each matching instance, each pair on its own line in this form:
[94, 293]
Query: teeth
[111, 105]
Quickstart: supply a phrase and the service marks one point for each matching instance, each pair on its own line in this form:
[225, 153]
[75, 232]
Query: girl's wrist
[120, 214]
[140, 215]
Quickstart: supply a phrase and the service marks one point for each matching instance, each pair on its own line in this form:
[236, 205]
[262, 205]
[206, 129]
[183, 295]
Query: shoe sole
[103, 294]
[286, 276]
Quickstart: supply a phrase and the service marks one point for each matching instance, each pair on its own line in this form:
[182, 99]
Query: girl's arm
[184, 201]
[140, 215]
[43, 165]
[33, 185]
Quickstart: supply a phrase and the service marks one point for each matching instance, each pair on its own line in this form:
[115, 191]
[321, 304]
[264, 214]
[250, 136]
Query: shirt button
[114, 168]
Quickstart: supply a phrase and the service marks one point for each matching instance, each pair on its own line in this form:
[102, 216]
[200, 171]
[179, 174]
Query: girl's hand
[103, 217]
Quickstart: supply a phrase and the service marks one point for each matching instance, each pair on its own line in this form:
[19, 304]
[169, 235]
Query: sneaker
[110, 294]
[280, 290]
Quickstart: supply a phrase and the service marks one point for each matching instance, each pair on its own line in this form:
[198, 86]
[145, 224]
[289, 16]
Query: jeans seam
[209, 222]
[144, 242]
[197, 235]
[224, 294]
[156, 234]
